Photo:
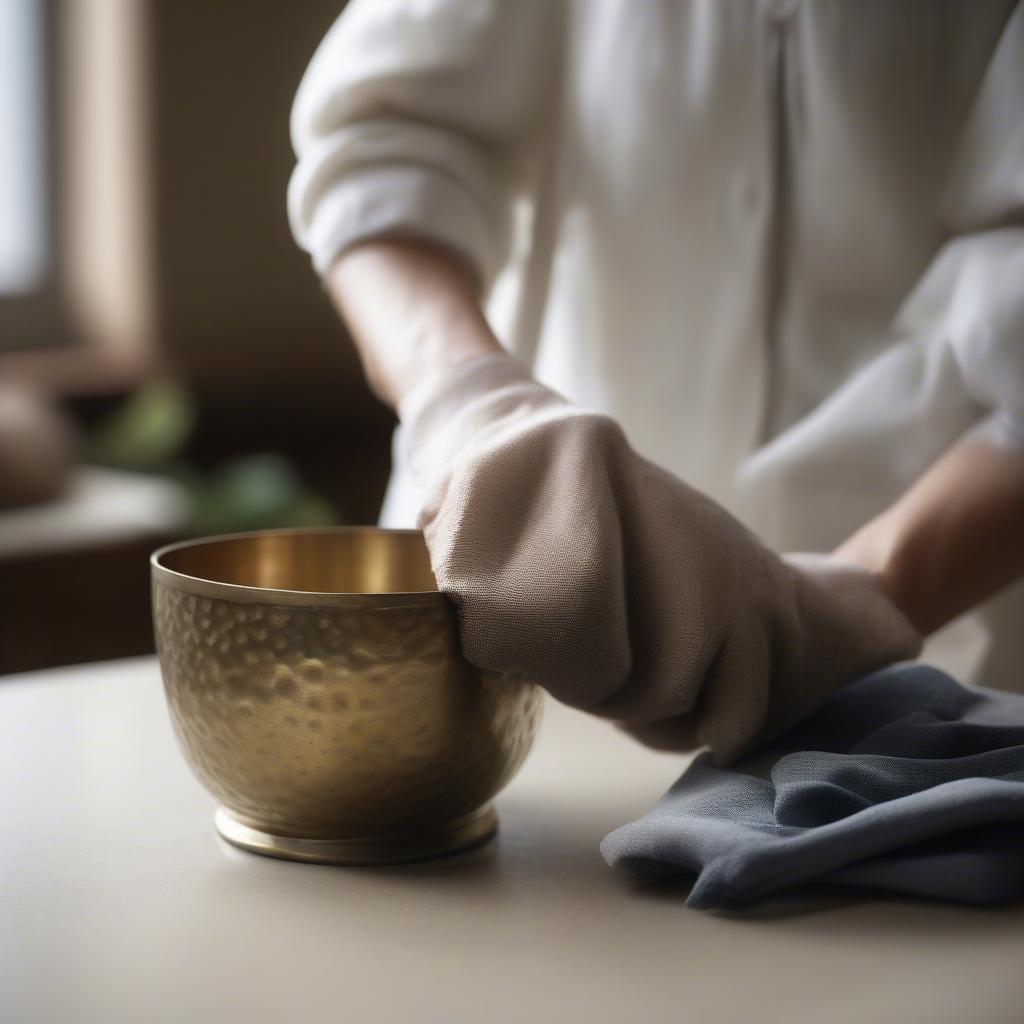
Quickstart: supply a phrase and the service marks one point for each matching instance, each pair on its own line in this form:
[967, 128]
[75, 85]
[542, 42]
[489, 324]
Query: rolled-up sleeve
[420, 119]
[972, 295]
[972, 300]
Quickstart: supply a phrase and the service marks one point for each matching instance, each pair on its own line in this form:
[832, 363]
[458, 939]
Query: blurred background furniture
[74, 574]
[160, 263]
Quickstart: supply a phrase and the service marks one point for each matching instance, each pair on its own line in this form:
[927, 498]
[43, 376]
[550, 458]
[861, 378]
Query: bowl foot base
[439, 841]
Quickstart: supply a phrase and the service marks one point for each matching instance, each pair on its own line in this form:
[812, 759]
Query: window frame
[39, 319]
[91, 327]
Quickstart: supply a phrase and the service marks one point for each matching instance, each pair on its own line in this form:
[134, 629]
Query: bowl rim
[201, 586]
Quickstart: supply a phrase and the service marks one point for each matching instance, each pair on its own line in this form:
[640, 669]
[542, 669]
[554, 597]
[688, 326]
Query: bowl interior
[364, 561]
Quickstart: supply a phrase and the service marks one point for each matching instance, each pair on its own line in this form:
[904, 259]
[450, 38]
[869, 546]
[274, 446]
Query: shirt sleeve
[418, 119]
[972, 294]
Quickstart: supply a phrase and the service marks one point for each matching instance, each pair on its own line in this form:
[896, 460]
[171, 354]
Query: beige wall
[237, 303]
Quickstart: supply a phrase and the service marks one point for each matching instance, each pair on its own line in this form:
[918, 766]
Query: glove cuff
[452, 386]
[466, 404]
[854, 594]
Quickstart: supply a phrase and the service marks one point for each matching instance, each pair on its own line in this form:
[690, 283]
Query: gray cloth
[903, 780]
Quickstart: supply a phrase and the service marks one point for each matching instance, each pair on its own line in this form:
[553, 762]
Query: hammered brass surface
[330, 715]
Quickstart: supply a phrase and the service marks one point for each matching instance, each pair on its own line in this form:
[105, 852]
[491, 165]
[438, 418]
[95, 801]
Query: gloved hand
[616, 586]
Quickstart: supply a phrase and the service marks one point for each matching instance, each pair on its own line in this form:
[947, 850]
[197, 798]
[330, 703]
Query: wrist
[880, 549]
[412, 310]
[952, 540]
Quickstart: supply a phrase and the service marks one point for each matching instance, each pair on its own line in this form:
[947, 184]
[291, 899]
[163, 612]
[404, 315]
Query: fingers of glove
[669, 734]
[736, 695]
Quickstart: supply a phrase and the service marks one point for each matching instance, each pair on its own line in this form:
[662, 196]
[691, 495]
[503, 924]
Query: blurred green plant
[148, 430]
[148, 433]
[257, 492]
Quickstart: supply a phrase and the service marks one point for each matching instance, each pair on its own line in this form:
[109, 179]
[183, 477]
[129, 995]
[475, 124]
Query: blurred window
[23, 214]
[23, 140]
[30, 311]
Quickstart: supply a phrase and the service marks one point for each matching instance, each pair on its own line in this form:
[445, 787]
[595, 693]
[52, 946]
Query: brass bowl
[317, 689]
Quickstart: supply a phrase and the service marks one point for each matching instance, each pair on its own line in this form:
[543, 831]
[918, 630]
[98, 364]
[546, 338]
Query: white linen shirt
[781, 242]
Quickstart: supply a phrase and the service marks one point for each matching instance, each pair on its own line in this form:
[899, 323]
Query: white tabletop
[118, 902]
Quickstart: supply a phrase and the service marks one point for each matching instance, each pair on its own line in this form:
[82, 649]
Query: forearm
[953, 540]
[412, 309]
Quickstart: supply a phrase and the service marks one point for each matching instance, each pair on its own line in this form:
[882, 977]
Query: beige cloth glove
[617, 587]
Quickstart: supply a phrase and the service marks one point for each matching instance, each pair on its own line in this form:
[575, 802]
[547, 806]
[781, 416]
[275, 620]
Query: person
[659, 289]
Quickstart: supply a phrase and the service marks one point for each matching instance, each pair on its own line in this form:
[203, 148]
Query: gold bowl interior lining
[332, 562]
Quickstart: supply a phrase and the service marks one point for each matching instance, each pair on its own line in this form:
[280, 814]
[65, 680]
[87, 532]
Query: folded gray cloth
[904, 780]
